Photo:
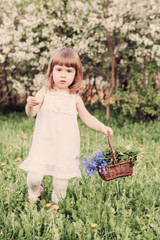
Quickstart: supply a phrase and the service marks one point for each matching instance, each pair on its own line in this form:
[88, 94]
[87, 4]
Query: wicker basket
[116, 170]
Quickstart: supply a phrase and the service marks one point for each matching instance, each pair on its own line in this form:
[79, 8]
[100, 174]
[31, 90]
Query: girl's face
[63, 76]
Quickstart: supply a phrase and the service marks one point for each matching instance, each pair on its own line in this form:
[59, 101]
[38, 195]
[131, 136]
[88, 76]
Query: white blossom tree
[115, 29]
[111, 37]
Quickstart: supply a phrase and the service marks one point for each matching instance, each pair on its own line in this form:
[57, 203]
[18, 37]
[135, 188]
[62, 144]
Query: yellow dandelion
[55, 207]
[17, 159]
[148, 161]
[56, 230]
[3, 164]
[48, 205]
[24, 136]
[82, 135]
[93, 225]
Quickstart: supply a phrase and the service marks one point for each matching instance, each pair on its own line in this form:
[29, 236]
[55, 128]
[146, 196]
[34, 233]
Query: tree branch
[100, 71]
[5, 96]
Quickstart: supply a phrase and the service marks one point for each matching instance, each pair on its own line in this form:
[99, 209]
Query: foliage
[141, 98]
[125, 208]
[115, 40]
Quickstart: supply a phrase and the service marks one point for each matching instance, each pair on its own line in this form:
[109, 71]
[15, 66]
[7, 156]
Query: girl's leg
[34, 181]
[60, 188]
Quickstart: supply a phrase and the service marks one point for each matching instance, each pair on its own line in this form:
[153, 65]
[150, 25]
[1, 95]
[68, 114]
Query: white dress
[55, 146]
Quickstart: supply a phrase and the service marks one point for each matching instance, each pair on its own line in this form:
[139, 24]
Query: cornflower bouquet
[101, 159]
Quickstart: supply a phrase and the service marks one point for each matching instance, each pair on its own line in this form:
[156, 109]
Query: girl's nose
[63, 74]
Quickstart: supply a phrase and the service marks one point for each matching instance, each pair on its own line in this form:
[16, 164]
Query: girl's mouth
[62, 81]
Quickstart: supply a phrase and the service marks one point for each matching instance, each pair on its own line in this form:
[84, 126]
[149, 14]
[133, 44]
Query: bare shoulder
[79, 100]
[81, 109]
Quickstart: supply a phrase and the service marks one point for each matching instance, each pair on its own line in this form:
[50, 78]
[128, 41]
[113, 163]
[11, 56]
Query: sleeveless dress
[55, 146]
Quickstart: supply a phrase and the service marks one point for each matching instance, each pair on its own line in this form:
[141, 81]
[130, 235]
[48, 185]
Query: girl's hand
[32, 101]
[107, 131]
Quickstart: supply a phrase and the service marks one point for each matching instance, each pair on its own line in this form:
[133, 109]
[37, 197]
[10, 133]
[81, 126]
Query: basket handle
[110, 144]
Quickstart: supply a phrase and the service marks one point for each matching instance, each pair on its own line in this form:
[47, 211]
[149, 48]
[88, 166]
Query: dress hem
[78, 175]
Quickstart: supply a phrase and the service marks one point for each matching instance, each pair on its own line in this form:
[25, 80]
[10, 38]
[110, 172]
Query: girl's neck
[61, 90]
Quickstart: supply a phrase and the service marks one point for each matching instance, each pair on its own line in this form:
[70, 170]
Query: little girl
[55, 147]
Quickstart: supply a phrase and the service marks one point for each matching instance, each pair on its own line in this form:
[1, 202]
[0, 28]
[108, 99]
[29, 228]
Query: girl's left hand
[107, 131]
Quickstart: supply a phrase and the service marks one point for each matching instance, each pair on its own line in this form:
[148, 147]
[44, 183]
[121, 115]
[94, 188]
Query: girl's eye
[69, 71]
[58, 69]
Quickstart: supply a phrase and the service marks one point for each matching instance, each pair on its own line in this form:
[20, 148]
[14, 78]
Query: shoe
[41, 190]
[34, 197]
[27, 204]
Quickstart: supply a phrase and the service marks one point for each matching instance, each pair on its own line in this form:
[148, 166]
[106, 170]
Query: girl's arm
[34, 103]
[90, 120]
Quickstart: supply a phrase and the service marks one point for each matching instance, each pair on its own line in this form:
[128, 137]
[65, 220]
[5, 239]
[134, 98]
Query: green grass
[124, 208]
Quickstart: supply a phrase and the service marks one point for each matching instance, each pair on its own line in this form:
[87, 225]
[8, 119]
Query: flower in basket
[90, 166]
[101, 159]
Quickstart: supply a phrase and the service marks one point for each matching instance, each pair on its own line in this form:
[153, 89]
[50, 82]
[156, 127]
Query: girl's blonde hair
[69, 58]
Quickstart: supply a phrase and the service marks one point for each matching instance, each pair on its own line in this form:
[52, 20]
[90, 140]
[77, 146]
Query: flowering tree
[117, 37]
[113, 38]
[25, 45]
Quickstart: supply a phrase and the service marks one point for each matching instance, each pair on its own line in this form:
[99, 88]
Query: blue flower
[91, 165]
[98, 158]
[77, 158]
[88, 166]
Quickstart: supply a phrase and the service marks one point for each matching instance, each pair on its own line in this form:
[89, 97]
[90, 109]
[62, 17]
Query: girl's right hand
[32, 101]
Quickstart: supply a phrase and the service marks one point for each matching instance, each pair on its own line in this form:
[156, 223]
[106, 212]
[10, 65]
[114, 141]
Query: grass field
[125, 208]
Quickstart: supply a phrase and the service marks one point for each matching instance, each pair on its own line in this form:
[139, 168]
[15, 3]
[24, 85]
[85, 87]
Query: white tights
[34, 181]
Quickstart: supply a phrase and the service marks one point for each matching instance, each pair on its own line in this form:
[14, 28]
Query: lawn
[124, 208]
